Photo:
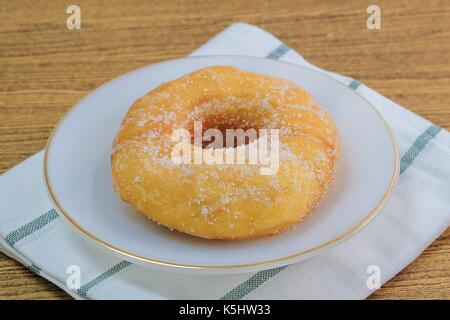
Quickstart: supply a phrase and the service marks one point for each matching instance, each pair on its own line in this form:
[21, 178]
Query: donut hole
[236, 128]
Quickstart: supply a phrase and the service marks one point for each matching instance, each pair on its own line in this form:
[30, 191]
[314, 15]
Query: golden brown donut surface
[225, 201]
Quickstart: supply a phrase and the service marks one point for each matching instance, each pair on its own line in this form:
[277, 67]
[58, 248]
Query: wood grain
[45, 69]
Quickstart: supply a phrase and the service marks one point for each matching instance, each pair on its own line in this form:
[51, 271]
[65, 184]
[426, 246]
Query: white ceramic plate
[77, 171]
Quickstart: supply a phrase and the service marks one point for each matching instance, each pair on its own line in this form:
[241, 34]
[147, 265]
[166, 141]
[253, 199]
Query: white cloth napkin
[418, 212]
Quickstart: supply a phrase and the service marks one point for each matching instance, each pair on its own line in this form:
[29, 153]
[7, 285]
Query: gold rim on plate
[327, 244]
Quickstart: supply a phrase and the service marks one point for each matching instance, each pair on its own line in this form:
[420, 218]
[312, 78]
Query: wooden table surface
[46, 68]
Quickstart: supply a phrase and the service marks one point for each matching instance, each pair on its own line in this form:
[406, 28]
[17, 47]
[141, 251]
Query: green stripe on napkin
[13, 237]
[278, 52]
[354, 84]
[105, 275]
[417, 147]
[252, 283]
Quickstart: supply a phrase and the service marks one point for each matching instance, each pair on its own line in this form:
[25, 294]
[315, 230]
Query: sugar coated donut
[161, 168]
